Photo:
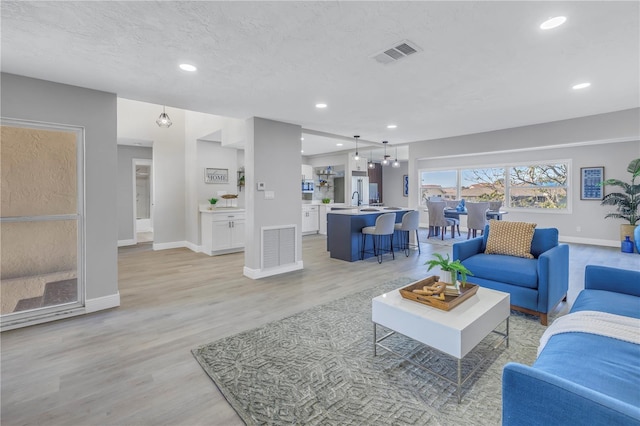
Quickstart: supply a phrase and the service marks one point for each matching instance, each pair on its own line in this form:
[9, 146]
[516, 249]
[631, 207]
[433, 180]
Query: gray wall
[126, 154]
[586, 141]
[392, 185]
[272, 155]
[39, 100]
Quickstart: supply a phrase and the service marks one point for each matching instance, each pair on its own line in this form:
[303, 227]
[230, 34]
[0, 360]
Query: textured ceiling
[483, 65]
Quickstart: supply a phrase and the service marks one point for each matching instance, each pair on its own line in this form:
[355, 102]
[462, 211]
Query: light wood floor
[132, 365]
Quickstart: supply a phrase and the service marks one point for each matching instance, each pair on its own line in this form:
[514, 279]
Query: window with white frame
[535, 186]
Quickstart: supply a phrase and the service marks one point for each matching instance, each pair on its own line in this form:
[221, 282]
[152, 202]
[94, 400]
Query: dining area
[445, 216]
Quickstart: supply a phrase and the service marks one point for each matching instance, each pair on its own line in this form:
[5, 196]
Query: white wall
[126, 154]
[44, 101]
[586, 141]
[137, 120]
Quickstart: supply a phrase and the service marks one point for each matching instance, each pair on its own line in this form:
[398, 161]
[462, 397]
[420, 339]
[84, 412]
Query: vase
[627, 245]
[636, 237]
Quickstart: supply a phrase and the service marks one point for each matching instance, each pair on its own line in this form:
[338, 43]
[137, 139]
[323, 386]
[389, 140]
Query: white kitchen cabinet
[323, 209]
[307, 172]
[222, 231]
[309, 219]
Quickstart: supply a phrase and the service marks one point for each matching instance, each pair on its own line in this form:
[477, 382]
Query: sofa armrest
[534, 397]
[612, 279]
[553, 276]
[466, 249]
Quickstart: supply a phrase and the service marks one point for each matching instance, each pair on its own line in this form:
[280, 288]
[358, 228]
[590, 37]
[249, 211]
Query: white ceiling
[483, 65]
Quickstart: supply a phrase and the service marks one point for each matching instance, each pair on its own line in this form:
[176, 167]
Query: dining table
[491, 214]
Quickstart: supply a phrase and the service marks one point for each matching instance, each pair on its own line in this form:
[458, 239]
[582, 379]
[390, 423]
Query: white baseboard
[101, 303]
[590, 241]
[131, 242]
[193, 247]
[255, 274]
[171, 245]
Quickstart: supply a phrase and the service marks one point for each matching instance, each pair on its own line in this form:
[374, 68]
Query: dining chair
[452, 205]
[494, 206]
[476, 218]
[437, 220]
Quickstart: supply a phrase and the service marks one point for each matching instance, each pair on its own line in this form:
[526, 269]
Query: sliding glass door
[41, 224]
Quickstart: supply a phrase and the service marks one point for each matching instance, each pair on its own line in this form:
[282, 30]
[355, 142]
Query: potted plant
[450, 268]
[627, 201]
[326, 200]
[213, 202]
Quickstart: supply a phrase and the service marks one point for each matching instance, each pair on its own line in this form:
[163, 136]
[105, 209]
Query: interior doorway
[143, 199]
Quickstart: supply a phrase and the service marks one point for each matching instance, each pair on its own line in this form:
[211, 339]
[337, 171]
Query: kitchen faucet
[354, 194]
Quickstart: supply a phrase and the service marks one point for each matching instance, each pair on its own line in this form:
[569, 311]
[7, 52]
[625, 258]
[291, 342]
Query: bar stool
[410, 222]
[384, 226]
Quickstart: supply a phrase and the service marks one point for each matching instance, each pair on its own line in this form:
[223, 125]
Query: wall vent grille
[398, 51]
[278, 246]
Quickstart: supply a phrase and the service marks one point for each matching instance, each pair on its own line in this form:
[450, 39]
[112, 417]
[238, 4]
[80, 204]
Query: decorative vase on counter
[636, 237]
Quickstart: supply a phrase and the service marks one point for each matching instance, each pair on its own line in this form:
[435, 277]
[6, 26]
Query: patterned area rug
[317, 368]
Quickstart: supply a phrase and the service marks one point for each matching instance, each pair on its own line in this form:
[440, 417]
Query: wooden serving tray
[447, 304]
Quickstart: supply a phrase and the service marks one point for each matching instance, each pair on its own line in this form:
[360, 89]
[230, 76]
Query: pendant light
[164, 120]
[396, 163]
[356, 157]
[371, 165]
[385, 160]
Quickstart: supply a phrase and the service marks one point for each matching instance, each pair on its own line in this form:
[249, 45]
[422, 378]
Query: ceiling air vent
[399, 50]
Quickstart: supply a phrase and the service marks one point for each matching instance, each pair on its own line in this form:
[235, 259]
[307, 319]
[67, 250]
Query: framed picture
[216, 175]
[591, 179]
[405, 185]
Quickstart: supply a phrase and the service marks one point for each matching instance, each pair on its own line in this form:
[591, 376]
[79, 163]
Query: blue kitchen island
[344, 231]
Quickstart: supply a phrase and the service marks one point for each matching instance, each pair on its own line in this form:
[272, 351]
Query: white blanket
[594, 322]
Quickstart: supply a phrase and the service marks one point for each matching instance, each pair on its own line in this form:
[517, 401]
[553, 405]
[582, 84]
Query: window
[442, 184]
[483, 184]
[538, 186]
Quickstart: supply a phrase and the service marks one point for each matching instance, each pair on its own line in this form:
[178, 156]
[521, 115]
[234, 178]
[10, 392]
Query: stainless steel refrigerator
[360, 188]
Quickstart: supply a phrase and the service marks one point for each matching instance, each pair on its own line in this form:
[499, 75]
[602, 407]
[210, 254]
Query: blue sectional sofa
[581, 378]
[535, 285]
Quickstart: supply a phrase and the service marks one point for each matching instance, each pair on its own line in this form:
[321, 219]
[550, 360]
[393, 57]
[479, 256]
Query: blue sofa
[581, 378]
[535, 285]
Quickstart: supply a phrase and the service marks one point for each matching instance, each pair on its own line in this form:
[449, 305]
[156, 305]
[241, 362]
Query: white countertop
[221, 210]
[361, 211]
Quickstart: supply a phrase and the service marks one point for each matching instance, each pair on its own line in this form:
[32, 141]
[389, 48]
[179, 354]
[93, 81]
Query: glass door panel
[41, 210]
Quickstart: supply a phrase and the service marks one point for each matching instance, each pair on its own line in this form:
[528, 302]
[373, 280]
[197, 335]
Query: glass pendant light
[356, 157]
[371, 165]
[164, 120]
[396, 163]
[385, 160]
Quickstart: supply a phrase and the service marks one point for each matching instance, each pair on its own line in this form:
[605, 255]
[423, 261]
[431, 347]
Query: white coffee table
[455, 332]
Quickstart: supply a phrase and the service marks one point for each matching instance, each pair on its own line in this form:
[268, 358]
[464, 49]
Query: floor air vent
[399, 50]
[278, 246]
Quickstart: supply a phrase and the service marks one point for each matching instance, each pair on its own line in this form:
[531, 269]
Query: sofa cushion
[607, 301]
[510, 238]
[502, 268]
[580, 358]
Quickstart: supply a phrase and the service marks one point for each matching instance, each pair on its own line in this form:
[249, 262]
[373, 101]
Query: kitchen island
[344, 230]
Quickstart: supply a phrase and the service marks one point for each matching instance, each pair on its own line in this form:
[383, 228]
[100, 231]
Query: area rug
[317, 368]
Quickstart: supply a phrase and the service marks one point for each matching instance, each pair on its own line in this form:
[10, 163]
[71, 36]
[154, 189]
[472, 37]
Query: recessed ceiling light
[338, 144]
[581, 86]
[302, 151]
[321, 105]
[553, 22]
[301, 139]
[188, 67]
[391, 126]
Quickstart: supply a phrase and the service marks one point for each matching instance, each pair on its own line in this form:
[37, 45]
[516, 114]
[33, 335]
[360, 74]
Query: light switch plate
[269, 195]
[260, 186]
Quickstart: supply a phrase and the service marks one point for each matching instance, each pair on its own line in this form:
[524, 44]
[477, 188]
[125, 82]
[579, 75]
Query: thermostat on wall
[260, 186]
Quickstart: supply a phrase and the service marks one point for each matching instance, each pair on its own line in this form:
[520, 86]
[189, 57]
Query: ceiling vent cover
[398, 51]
